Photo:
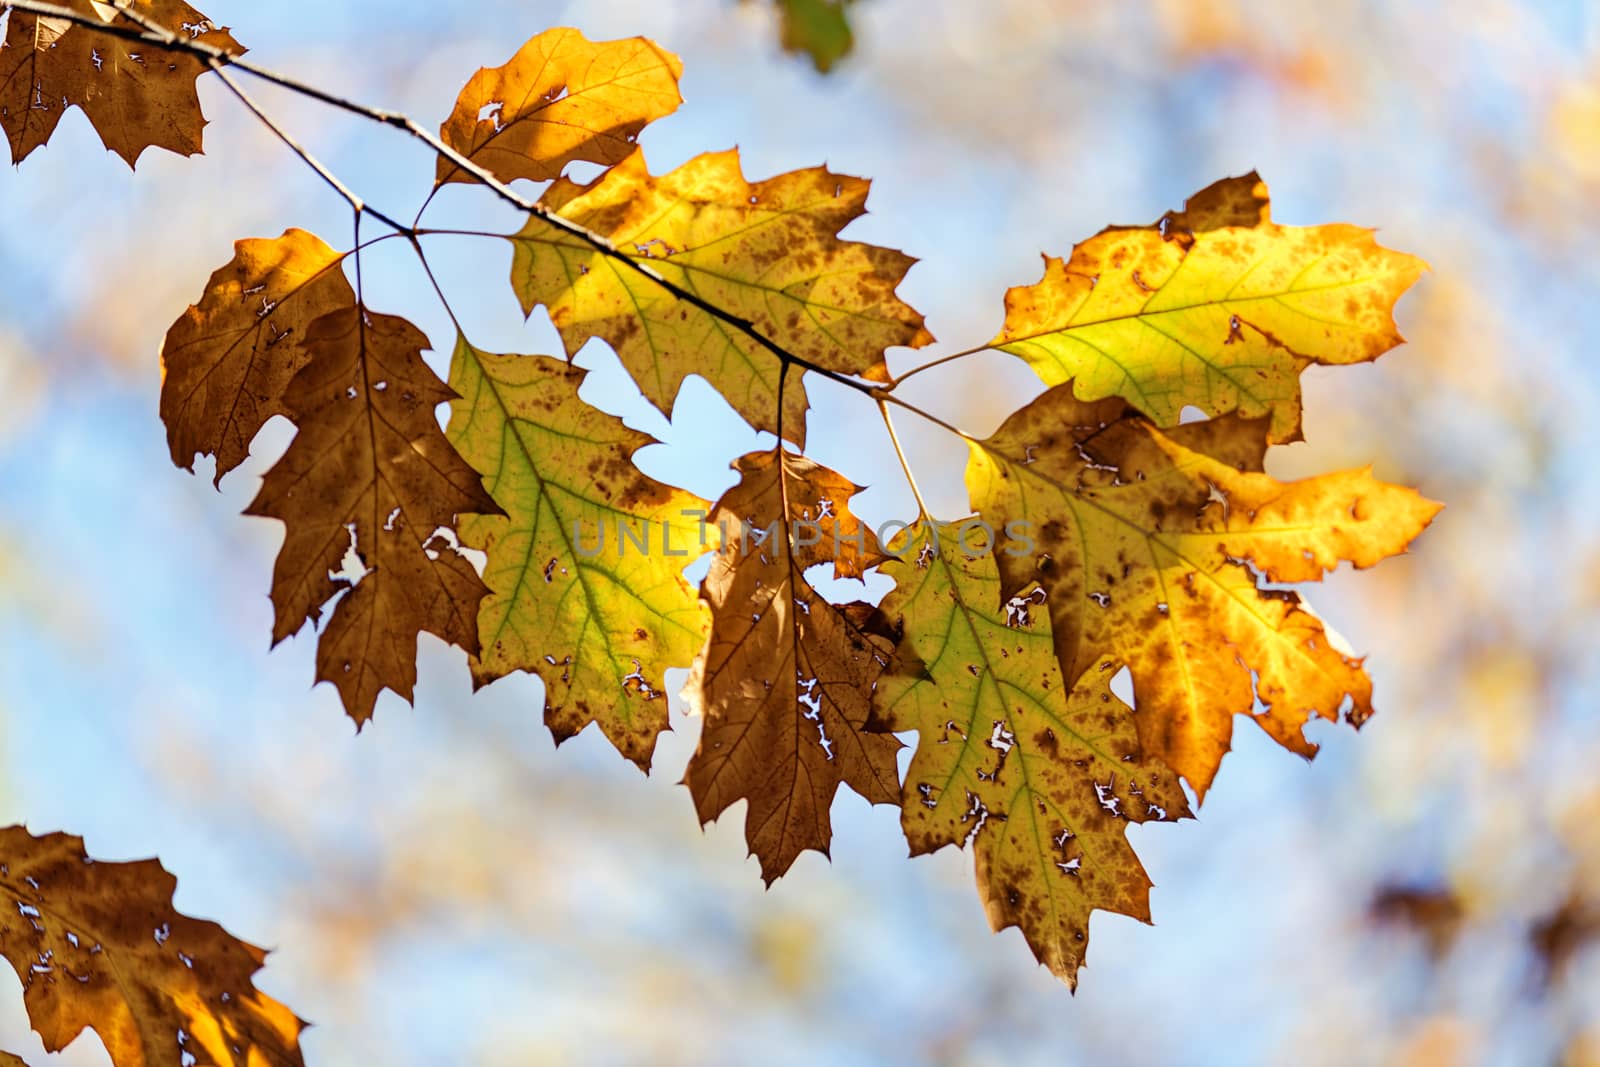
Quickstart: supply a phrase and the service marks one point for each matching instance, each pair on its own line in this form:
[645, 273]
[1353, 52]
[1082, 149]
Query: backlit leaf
[227, 361]
[561, 98]
[1215, 307]
[785, 682]
[597, 617]
[1149, 552]
[136, 95]
[1041, 781]
[765, 252]
[369, 470]
[99, 945]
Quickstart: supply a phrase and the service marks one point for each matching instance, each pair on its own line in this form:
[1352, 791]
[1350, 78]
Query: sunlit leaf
[561, 98]
[1040, 779]
[99, 945]
[785, 682]
[370, 472]
[766, 253]
[228, 360]
[1215, 307]
[1152, 548]
[585, 569]
[135, 95]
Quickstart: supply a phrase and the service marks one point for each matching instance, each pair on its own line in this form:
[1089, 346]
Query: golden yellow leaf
[370, 470]
[561, 98]
[1209, 308]
[135, 95]
[1149, 552]
[227, 361]
[765, 252]
[1041, 780]
[785, 682]
[597, 617]
[99, 945]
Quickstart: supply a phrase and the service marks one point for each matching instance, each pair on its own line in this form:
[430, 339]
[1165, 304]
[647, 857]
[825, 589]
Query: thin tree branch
[936, 420]
[148, 32]
[357, 204]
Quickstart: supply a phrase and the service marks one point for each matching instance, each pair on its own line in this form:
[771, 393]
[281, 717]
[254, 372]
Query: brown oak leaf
[370, 470]
[136, 95]
[99, 945]
[785, 682]
[227, 361]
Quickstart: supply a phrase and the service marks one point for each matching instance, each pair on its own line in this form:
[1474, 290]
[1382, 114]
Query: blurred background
[448, 889]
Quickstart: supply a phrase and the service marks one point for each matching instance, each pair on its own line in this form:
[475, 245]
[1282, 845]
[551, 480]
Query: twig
[148, 32]
[356, 203]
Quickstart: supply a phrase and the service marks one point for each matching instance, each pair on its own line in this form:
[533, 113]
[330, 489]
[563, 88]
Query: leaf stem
[941, 361]
[900, 453]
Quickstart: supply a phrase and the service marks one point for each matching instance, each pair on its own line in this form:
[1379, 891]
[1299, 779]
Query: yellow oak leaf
[227, 361]
[785, 682]
[136, 95]
[1149, 551]
[370, 471]
[767, 253]
[1040, 779]
[99, 945]
[585, 569]
[1216, 307]
[561, 98]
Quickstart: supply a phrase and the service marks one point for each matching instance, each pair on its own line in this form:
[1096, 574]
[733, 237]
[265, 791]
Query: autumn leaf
[1042, 781]
[1434, 912]
[561, 98]
[11, 1059]
[817, 28]
[1240, 201]
[1149, 544]
[599, 618]
[785, 682]
[100, 945]
[136, 95]
[370, 470]
[228, 360]
[1215, 307]
[766, 253]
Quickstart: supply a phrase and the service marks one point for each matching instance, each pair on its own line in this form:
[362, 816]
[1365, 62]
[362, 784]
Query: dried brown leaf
[370, 469]
[228, 360]
[785, 682]
[99, 945]
[136, 95]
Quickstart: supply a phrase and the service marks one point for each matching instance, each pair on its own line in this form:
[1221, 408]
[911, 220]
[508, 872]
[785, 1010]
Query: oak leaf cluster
[1116, 533]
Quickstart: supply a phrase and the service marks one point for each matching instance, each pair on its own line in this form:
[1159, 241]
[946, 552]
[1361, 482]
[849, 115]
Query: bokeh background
[447, 888]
